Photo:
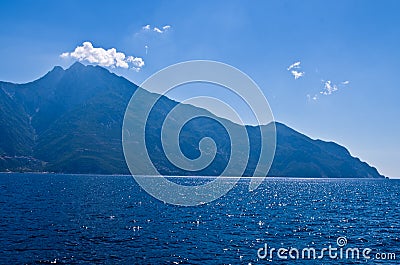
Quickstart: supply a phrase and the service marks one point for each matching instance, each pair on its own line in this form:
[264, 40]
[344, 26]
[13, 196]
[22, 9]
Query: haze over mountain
[70, 121]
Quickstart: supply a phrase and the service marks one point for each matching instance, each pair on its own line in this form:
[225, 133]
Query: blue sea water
[87, 219]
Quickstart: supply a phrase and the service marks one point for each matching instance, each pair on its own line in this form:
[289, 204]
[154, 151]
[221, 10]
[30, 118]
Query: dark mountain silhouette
[70, 121]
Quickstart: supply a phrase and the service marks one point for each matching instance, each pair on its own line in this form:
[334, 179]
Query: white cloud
[297, 74]
[102, 57]
[295, 65]
[159, 30]
[137, 62]
[329, 88]
[64, 55]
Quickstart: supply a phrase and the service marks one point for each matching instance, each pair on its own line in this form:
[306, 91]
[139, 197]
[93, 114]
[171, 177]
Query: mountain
[70, 121]
[76, 115]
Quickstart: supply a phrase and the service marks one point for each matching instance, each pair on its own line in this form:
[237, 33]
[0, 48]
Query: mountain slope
[299, 155]
[58, 92]
[17, 135]
[70, 121]
[88, 138]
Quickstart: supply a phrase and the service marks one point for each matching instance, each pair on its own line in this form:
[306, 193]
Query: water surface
[85, 219]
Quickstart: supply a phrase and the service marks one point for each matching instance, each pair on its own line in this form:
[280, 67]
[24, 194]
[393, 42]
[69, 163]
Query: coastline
[194, 177]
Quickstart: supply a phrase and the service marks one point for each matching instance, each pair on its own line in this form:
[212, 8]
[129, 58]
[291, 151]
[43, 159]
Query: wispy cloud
[108, 58]
[330, 87]
[157, 30]
[294, 65]
[160, 30]
[296, 73]
[150, 33]
[314, 98]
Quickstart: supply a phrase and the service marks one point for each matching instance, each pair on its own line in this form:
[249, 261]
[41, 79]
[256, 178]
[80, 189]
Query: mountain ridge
[73, 115]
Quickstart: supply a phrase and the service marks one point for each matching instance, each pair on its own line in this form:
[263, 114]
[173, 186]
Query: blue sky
[352, 44]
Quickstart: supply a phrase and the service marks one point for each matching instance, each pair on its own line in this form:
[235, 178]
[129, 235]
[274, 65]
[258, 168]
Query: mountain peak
[54, 74]
[77, 65]
[57, 68]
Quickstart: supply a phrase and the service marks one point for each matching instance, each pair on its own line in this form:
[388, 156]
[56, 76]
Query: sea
[97, 219]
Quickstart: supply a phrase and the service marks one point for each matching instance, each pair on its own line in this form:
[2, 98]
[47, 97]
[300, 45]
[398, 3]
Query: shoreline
[227, 177]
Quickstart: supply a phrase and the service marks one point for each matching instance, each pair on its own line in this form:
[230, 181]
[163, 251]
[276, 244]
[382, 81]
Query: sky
[329, 69]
